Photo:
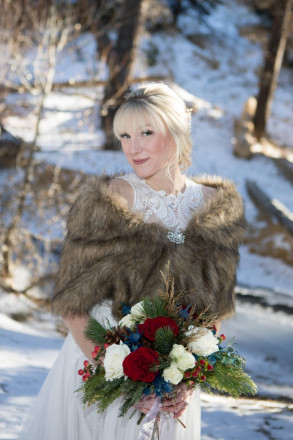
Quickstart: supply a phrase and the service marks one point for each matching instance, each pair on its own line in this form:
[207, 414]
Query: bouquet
[155, 346]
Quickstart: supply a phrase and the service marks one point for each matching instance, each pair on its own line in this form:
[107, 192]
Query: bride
[122, 232]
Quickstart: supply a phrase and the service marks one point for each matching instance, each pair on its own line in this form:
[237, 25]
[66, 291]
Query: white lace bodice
[173, 211]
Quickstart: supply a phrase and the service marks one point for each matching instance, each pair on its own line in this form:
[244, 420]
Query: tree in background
[273, 61]
[120, 61]
[50, 29]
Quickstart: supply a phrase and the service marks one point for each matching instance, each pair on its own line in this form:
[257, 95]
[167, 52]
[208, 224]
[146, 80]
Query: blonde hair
[163, 109]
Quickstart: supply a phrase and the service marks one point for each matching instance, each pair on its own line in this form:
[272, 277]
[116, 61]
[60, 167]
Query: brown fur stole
[112, 253]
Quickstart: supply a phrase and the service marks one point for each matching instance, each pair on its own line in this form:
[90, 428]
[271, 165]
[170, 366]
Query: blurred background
[65, 67]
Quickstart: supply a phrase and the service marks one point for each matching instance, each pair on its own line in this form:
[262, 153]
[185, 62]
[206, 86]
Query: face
[147, 151]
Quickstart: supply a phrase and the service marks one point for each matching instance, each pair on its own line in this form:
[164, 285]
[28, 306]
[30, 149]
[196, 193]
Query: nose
[134, 145]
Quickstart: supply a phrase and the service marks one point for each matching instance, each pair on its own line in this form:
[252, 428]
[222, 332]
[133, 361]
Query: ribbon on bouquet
[148, 424]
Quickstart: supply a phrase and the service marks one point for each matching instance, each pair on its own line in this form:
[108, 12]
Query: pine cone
[124, 332]
[113, 336]
[116, 335]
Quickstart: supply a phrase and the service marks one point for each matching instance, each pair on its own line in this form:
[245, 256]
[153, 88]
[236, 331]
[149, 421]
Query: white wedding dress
[58, 412]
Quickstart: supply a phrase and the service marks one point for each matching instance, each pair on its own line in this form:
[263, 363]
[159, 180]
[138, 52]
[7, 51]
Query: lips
[139, 161]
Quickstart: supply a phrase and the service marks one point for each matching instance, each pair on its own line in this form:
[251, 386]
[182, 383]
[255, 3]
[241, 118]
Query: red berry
[191, 383]
[87, 374]
[202, 362]
[210, 367]
[187, 374]
[202, 378]
[198, 368]
[222, 337]
[94, 354]
[195, 374]
[86, 364]
[195, 362]
[106, 345]
[80, 372]
[97, 349]
[85, 378]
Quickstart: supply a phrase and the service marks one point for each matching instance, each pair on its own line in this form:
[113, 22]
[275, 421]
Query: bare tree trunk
[120, 61]
[273, 61]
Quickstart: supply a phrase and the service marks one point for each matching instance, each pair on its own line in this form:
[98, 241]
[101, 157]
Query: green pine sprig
[100, 391]
[95, 332]
[164, 340]
[231, 380]
[132, 392]
[154, 307]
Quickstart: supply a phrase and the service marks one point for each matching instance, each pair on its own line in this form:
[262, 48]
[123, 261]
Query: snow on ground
[222, 70]
[27, 353]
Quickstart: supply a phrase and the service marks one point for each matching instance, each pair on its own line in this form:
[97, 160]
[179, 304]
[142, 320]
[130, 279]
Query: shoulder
[122, 188]
[103, 189]
[100, 200]
[222, 216]
[221, 197]
[217, 188]
[208, 193]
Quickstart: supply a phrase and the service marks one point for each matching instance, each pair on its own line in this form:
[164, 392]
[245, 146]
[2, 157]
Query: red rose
[137, 364]
[151, 325]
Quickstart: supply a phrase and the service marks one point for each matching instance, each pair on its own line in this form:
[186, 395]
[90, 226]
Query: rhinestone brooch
[176, 237]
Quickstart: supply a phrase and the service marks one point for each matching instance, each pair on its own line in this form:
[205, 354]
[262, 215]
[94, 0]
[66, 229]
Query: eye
[124, 136]
[147, 133]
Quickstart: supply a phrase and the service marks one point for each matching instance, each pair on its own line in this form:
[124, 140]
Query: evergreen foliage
[164, 340]
[102, 392]
[154, 307]
[95, 332]
[232, 380]
[132, 392]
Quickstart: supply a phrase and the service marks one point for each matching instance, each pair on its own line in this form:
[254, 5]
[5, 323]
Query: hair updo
[163, 109]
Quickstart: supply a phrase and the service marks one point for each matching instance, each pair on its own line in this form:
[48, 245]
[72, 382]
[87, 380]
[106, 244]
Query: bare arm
[76, 326]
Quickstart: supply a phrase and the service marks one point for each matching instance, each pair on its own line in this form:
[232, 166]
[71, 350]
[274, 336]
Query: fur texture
[112, 253]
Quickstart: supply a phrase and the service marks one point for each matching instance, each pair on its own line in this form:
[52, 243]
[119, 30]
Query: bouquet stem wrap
[148, 424]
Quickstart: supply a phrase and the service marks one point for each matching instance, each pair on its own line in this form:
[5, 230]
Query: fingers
[179, 413]
[176, 405]
[183, 395]
[145, 404]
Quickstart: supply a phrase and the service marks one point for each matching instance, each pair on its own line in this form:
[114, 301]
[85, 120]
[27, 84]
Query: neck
[172, 182]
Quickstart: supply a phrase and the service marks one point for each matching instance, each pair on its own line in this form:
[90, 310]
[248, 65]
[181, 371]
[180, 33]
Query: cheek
[159, 148]
[124, 147]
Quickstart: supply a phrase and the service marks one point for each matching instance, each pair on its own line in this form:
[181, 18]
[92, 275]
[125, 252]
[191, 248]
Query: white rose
[185, 361]
[205, 344]
[137, 309]
[114, 357]
[127, 321]
[172, 374]
[177, 351]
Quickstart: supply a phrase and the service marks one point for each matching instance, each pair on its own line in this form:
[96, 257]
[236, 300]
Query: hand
[179, 402]
[145, 403]
[176, 405]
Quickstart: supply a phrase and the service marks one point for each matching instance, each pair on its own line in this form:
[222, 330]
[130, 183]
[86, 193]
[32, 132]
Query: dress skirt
[59, 414]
